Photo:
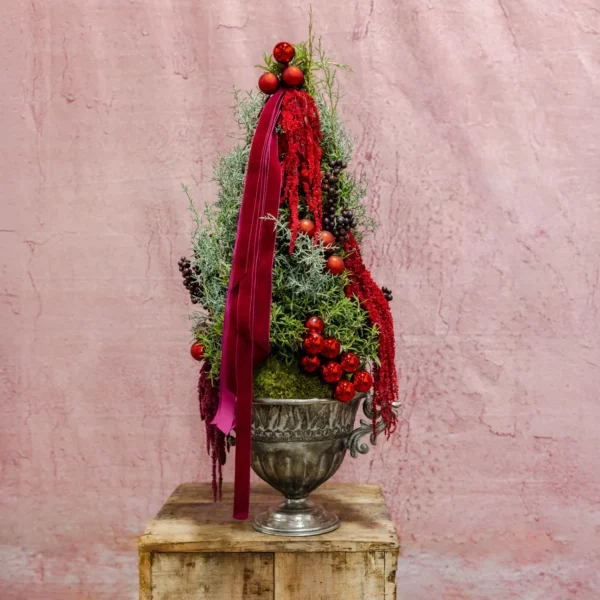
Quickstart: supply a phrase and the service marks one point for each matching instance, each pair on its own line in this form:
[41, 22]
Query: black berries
[338, 224]
[387, 293]
[331, 178]
[191, 276]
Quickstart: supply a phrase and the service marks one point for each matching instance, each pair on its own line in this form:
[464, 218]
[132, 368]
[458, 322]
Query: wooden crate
[194, 550]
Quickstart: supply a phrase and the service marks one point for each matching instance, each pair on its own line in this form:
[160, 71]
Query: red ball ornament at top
[197, 351]
[307, 227]
[293, 76]
[310, 363]
[335, 265]
[313, 343]
[344, 391]
[331, 372]
[349, 362]
[331, 348]
[268, 83]
[315, 325]
[283, 52]
[362, 381]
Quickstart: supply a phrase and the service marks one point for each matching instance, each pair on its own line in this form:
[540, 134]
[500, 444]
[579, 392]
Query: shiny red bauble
[310, 363]
[327, 238]
[293, 76]
[315, 325]
[268, 83]
[313, 343]
[344, 391]
[307, 227]
[283, 52]
[362, 381]
[331, 372]
[335, 265]
[197, 351]
[331, 348]
[349, 362]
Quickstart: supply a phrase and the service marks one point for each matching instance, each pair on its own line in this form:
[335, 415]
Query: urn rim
[302, 401]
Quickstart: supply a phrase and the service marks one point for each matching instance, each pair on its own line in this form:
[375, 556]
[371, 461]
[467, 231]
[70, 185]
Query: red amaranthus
[302, 162]
[216, 444]
[362, 285]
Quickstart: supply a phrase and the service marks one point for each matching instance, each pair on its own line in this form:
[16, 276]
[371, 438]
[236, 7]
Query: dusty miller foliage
[301, 285]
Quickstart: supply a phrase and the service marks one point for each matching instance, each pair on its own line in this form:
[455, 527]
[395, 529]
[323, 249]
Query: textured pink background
[477, 122]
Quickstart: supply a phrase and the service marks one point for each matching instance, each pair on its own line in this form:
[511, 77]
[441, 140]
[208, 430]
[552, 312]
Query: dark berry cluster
[343, 224]
[330, 179]
[190, 279]
[387, 293]
[329, 219]
[338, 225]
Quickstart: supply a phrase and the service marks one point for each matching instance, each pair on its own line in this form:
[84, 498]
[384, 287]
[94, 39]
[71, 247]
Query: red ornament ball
[293, 76]
[327, 238]
[313, 343]
[315, 325]
[349, 362]
[331, 348]
[362, 381]
[344, 391]
[310, 363]
[283, 52]
[268, 83]
[335, 265]
[307, 226]
[331, 372]
[197, 351]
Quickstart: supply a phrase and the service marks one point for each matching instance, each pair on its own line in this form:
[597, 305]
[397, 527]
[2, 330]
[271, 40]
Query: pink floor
[478, 126]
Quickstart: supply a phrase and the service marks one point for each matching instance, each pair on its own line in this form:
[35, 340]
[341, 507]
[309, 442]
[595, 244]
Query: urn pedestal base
[297, 518]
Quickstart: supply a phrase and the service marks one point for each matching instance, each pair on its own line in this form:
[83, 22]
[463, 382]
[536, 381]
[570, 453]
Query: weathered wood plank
[145, 575]
[217, 576]
[191, 522]
[330, 576]
[391, 563]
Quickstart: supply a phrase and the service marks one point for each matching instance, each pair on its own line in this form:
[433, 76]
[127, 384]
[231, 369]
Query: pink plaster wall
[478, 125]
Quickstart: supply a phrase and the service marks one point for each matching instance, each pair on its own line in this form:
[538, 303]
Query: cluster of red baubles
[322, 352]
[269, 83]
[334, 264]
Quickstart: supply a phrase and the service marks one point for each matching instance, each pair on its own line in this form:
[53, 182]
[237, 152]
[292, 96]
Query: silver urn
[299, 444]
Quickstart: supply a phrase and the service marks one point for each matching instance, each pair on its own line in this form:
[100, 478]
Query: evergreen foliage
[301, 285]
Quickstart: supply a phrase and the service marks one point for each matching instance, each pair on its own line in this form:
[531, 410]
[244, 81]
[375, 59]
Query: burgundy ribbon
[247, 322]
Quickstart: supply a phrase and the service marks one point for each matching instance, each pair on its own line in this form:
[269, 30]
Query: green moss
[275, 379]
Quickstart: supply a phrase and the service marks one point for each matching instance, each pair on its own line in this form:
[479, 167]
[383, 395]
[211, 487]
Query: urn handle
[353, 441]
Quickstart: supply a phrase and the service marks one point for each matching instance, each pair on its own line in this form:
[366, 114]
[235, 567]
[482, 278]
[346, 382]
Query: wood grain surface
[212, 576]
[330, 576]
[191, 522]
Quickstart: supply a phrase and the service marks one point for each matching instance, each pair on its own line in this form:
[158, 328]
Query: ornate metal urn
[296, 446]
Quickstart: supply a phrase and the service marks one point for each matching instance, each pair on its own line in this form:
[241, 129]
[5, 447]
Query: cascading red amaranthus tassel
[385, 382]
[302, 162]
[216, 443]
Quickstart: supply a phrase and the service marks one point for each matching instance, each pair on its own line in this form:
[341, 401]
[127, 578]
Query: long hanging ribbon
[247, 322]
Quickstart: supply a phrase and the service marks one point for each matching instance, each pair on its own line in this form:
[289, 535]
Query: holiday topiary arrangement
[289, 312]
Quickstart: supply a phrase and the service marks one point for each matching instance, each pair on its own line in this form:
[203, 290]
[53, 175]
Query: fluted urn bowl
[297, 445]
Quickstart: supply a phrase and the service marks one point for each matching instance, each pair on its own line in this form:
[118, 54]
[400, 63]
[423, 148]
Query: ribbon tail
[243, 434]
[247, 315]
[253, 354]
